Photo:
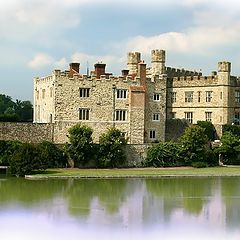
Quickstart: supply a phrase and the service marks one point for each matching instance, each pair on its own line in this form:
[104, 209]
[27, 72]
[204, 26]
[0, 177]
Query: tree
[230, 148]
[80, 148]
[163, 154]
[195, 147]
[111, 149]
[209, 129]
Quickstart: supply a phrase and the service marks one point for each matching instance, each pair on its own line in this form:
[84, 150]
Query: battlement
[174, 72]
[158, 55]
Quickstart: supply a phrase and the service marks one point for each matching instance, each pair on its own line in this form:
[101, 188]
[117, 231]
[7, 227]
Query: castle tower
[133, 59]
[224, 70]
[158, 62]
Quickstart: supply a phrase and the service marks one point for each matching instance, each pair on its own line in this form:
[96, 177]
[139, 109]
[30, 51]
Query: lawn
[136, 172]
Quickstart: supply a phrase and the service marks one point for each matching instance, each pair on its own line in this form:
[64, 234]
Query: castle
[139, 102]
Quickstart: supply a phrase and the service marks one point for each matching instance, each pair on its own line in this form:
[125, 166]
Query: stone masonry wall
[26, 132]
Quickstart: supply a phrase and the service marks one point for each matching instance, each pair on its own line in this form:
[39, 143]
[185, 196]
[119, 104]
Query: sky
[38, 36]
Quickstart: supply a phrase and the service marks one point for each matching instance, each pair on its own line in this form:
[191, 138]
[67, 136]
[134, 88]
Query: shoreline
[130, 173]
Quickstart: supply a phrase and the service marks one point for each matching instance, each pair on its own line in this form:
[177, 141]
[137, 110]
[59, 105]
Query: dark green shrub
[209, 129]
[164, 154]
[51, 156]
[7, 148]
[80, 149]
[26, 160]
[111, 149]
[234, 129]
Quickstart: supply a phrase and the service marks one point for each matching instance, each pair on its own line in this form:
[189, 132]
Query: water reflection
[173, 208]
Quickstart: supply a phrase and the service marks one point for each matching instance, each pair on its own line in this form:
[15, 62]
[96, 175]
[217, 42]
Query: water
[168, 208]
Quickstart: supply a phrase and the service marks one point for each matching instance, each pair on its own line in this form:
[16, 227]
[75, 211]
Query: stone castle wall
[26, 132]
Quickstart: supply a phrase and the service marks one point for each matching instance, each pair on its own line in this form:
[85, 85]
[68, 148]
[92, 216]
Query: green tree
[195, 147]
[111, 149]
[209, 129]
[80, 148]
[163, 154]
[230, 148]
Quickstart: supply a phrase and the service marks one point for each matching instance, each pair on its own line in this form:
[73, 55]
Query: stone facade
[139, 102]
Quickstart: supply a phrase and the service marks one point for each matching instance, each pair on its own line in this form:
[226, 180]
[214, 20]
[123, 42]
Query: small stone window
[121, 115]
[237, 96]
[43, 93]
[199, 96]
[152, 134]
[84, 113]
[189, 96]
[84, 92]
[189, 116]
[156, 117]
[208, 116]
[208, 96]
[173, 96]
[156, 97]
[121, 93]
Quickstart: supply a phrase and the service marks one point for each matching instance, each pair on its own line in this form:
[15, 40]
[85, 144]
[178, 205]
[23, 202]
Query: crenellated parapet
[174, 72]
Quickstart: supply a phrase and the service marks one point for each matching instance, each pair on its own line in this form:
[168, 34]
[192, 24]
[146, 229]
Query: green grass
[137, 172]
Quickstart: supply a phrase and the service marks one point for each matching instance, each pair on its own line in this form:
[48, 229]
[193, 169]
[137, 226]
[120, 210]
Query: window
[199, 96]
[43, 93]
[237, 96]
[173, 96]
[189, 116]
[37, 94]
[208, 96]
[156, 116]
[156, 97]
[189, 96]
[84, 113]
[51, 92]
[121, 93]
[121, 115]
[172, 115]
[221, 95]
[84, 92]
[237, 118]
[208, 116]
[152, 134]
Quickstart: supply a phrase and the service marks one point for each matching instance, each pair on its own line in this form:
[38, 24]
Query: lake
[166, 208]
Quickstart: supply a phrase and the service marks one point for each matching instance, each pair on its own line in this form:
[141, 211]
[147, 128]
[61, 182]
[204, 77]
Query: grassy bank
[136, 172]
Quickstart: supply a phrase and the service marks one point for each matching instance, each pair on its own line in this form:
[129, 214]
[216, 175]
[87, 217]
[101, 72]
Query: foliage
[111, 148]
[80, 148]
[7, 149]
[26, 160]
[209, 129]
[164, 154]
[51, 156]
[230, 148]
[15, 111]
[234, 129]
[195, 147]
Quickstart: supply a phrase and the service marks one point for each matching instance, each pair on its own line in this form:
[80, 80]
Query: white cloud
[40, 60]
[61, 63]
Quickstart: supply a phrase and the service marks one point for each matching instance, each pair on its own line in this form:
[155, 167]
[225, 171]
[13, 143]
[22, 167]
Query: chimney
[99, 69]
[142, 72]
[74, 67]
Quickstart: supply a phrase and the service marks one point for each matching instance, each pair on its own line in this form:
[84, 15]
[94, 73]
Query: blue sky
[41, 35]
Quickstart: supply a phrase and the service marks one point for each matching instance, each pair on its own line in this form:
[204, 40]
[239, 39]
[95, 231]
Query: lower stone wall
[26, 132]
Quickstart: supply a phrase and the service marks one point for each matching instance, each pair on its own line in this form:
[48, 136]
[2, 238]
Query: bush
[234, 129]
[164, 154]
[209, 129]
[7, 148]
[80, 149]
[26, 160]
[111, 149]
[51, 156]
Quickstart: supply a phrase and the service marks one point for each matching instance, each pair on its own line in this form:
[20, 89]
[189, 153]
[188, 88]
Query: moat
[167, 208]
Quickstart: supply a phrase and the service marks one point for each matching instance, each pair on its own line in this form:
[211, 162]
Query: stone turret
[224, 70]
[133, 59]
[158, 62]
